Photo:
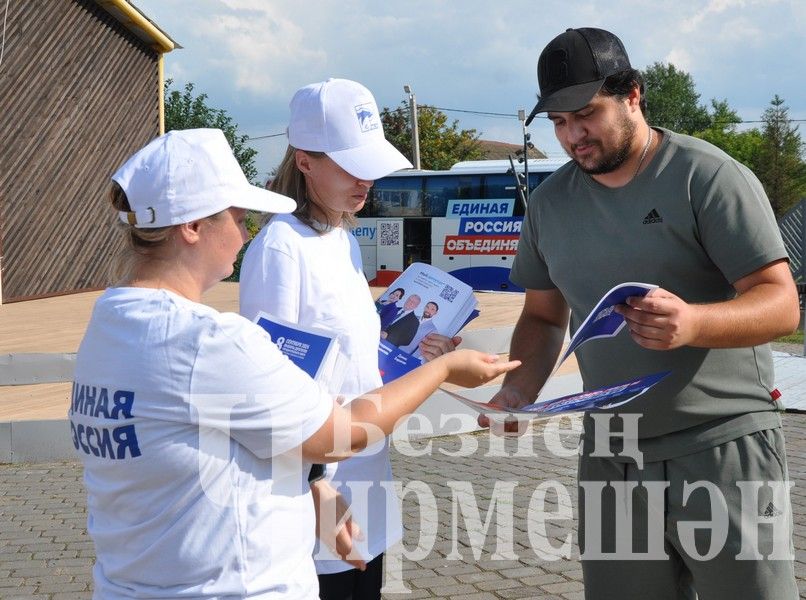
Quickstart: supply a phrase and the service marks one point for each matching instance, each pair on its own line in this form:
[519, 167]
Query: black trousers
[354, 584]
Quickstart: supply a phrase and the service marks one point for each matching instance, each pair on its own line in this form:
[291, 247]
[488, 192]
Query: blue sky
[250, 56]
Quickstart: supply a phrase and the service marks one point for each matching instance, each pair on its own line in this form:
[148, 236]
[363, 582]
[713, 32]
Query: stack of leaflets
[602, 322]
[422, 300]
[315, 351]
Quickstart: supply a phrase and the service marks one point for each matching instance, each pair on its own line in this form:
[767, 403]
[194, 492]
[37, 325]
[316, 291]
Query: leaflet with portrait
[602, 322]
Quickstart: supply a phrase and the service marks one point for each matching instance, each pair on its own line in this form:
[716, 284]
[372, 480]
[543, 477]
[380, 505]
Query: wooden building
[80, 90]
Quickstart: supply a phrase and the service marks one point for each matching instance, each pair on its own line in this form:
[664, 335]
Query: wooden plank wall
[79, 94]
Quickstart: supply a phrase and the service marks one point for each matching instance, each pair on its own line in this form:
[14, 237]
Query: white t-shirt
[294, 273]
[189, 422]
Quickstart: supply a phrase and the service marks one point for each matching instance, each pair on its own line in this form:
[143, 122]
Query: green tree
[185, 110]
[672, 100]
[722, 132]
[780, 165]
[441, 144]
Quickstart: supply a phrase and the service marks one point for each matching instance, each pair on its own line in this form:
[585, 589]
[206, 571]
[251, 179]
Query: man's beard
[613, 160]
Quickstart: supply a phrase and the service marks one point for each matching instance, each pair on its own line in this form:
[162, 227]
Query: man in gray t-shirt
[646, 204]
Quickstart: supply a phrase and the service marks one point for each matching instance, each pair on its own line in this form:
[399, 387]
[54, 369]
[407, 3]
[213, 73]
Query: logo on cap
[367, 120]
[556, 68]
[573, 67]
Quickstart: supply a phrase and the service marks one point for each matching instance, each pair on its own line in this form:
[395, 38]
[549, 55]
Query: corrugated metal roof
[136, 21]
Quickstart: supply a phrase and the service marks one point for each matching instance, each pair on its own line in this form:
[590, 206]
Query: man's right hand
[537, 341]
[507, 397]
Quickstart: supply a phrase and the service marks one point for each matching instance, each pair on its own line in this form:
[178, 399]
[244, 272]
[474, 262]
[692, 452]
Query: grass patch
[795, 338]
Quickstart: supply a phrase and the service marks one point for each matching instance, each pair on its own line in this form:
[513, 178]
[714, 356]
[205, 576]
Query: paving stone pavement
[45, 552]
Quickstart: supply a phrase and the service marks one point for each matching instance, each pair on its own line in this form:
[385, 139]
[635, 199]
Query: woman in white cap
[196, 433]
[336, 151]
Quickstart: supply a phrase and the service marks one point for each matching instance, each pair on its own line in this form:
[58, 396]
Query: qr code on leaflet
[448, 293]
[390, 234]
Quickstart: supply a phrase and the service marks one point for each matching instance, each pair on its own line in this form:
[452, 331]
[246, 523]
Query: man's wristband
[316, 473]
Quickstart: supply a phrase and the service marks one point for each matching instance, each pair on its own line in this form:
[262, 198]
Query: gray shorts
[716, 523]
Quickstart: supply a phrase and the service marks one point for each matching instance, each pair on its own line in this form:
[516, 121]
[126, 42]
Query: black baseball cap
[573, 66]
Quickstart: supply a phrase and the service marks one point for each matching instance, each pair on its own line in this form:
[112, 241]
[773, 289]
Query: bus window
[502, 185]
[395, 197]
[420, 200]
[438, 190]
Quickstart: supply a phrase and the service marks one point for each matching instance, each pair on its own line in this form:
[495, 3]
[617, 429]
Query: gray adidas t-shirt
[693, 222]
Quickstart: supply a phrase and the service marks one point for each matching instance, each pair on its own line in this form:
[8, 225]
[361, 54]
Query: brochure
[602, 322]
[422, 300]
[315, 351]
[601, 399]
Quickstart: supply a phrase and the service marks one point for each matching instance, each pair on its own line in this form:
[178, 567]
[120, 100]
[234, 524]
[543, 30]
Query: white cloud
[713, 7]
[251, 55]
[262, 50]
[679, 57]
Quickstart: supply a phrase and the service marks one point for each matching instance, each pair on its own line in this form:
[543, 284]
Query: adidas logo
[771, 511]
[653, 217]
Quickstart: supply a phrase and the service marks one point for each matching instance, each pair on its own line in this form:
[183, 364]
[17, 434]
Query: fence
[793, 230]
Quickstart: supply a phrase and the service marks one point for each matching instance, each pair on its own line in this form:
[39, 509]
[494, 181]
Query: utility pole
[526, 136]
[415, 131]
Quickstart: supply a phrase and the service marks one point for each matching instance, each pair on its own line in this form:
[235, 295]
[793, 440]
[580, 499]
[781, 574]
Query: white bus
[465, 220]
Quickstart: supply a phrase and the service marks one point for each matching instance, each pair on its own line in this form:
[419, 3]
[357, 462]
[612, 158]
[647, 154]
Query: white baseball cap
[340, 118]
[186, 175]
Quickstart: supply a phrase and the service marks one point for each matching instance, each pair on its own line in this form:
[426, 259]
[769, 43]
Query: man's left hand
[660, 320]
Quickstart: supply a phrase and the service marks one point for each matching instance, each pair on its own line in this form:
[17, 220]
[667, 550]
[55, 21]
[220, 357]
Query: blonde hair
[139, 243]
[290, 181]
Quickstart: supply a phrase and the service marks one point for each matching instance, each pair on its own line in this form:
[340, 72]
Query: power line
[473, 112]
[515, 116]
[459, 110]
[263, 137]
